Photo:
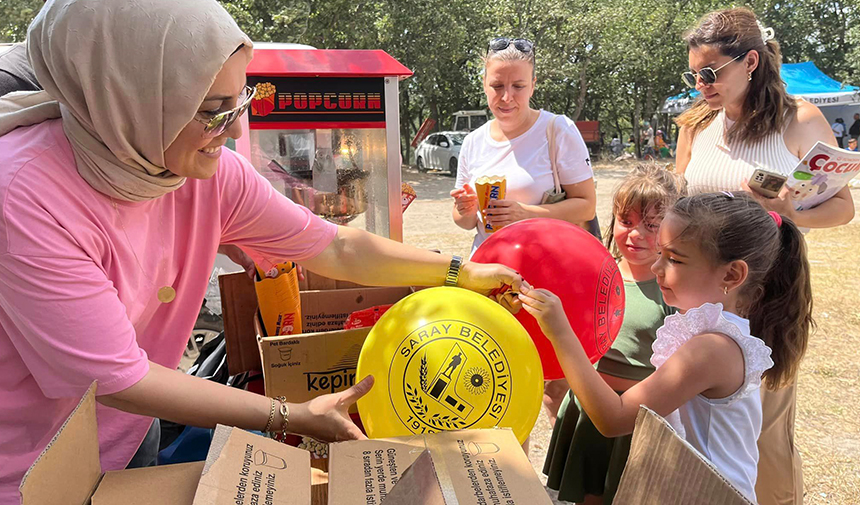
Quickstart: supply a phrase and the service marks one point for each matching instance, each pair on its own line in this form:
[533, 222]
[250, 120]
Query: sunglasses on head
[708, 75]
[502, 43]
[218, 124]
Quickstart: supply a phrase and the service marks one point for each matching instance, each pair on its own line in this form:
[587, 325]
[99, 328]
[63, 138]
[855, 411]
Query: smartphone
[767, 183]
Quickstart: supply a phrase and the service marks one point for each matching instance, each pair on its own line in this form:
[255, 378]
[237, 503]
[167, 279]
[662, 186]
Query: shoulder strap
[553, 152]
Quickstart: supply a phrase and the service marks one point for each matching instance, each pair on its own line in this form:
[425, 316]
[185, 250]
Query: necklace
[166, 294]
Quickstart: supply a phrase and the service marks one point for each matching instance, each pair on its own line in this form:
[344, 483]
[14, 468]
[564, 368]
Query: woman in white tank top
[744, 121]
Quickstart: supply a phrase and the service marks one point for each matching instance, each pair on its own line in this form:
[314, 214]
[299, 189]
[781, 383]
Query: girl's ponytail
[782, 317]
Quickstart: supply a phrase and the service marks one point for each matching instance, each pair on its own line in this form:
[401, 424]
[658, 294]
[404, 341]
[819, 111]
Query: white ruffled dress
[724, 430]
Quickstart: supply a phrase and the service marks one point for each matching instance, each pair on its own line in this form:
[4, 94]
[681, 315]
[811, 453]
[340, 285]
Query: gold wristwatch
[454, 271]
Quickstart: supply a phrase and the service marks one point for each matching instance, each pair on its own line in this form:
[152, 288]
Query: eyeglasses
[219, 123]
[502, 43]
[707, 74]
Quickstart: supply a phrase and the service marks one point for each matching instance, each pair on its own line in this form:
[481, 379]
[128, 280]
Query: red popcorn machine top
[324, 129]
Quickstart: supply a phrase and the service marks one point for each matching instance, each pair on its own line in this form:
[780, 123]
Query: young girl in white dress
[740, 279]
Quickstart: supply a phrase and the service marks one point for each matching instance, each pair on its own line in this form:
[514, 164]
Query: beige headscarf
[126, 76]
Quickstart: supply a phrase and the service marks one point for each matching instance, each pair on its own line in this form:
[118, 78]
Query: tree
[854, 56]
[615, 62]
[15, 17]
[816, 30]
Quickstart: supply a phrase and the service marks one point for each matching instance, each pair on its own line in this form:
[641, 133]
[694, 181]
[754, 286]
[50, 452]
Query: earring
[725, 290]
[749, 76]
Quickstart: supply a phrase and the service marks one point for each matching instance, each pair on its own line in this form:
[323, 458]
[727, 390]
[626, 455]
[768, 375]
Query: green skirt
[580, 460]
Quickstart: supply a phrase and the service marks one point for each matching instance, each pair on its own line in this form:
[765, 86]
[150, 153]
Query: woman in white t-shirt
[515, 145]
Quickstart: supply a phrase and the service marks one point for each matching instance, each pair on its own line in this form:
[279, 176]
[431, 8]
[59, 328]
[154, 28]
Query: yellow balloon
[449, 359]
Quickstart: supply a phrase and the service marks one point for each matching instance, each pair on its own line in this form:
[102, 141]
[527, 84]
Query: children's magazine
[821, 174]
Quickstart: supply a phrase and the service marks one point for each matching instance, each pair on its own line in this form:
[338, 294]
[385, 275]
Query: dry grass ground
[828, 416]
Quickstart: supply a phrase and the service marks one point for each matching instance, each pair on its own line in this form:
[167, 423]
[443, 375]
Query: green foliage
[610, 61]
[853, 56]
[817, 30]
[15, 16]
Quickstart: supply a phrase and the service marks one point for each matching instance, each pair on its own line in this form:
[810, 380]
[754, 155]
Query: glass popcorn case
[324, 130]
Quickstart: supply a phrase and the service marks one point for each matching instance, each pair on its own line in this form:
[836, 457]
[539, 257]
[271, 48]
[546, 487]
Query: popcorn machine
[324, 129]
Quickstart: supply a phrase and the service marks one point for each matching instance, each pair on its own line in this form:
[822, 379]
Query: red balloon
[568, 261]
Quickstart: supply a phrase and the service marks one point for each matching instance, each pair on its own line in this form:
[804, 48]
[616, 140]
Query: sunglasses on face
[218, 124]
[707, 74]
[502, 43]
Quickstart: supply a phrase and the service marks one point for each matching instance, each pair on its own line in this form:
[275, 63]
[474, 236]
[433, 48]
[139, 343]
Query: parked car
[468, 120]
[440, 151]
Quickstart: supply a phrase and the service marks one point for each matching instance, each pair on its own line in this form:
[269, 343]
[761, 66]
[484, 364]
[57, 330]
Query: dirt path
[828, 415]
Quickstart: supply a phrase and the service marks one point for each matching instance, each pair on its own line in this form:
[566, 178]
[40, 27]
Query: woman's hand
[465, 199]
[509, 300]
[782, 204]
[326, 418]
[465, 211]
[504, 212]
[491, 280]
[170, 394]
[547, 309]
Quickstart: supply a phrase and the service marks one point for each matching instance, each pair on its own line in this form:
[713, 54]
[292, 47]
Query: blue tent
[804, 80]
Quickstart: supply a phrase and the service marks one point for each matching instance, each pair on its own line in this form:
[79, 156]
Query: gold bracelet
[285, 414]
[271, 417]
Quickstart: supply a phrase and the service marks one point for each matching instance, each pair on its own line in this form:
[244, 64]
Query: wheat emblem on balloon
[422, 373]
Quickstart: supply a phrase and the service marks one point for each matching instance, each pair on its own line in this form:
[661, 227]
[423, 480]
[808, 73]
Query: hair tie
[766, 33]
[728, 194]
[776, 218]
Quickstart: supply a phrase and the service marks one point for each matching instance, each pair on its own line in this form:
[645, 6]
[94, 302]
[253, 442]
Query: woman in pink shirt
[115, 193]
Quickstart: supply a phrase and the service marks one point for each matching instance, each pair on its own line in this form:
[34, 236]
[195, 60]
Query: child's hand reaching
[547, 309]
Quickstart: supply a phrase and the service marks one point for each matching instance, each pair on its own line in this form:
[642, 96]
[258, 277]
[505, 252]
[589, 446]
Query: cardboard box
[456, 467]
[302, 367]
[663, 469]
[166, 485]
[68, 472]
[324, 309]
[241, 469]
